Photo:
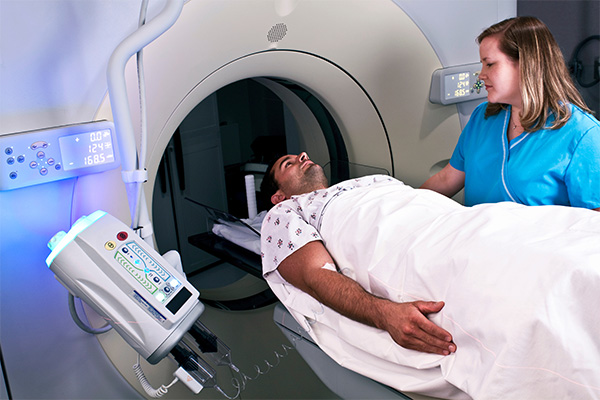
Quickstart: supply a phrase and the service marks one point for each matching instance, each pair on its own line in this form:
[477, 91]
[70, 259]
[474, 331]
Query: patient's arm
[406, 322]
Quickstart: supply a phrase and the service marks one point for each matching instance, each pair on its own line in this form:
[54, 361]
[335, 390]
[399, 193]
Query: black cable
[577, 68]
[4, 374]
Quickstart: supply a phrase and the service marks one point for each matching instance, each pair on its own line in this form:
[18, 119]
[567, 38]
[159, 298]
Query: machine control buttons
[33, 164]
[478, 85]
[21, 159]
[39, 145]
[43, 171]
[163, 274]
[13, 175]
[136, 272]
[122, 235]
[8, 151]
[147, 271]
[41, 155]
[110, 245]
[10, 160]
[151, 264]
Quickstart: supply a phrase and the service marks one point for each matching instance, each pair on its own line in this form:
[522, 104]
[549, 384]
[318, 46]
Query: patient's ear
[278, 197]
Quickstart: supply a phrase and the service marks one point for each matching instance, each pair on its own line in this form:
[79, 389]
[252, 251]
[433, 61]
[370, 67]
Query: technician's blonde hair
[546, 86]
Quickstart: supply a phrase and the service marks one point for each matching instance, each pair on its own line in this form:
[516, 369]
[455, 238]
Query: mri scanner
[356, 82]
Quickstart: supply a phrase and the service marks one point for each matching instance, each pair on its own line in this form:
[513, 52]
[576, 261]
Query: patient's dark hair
[269, 185]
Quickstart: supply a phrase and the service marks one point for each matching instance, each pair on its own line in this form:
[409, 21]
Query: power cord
[80, 323]
[148, 388]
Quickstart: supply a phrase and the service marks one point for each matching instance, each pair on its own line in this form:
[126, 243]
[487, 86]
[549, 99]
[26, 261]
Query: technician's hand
[409, 327]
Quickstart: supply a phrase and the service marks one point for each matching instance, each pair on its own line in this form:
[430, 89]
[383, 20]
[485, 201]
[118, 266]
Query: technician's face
[499, 73]
[297, 175]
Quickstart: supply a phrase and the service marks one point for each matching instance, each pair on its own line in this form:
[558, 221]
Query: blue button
[10, 160]
[58, 167]
[39, 145]
[8, 151]
[21, 159]
[13, 175]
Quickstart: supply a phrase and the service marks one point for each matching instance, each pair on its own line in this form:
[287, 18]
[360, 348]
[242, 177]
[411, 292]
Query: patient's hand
[409, 326]
[407, 323]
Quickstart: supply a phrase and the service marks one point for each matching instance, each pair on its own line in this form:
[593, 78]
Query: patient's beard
[313, 179]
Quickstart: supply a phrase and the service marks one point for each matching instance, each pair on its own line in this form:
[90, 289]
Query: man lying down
[365, 265]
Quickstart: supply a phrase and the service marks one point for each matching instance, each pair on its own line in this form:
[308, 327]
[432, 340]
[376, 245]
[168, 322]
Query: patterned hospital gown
[293, 223]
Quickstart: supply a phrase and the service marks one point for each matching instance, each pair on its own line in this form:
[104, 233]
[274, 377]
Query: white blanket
[521, 286]
[240, 234]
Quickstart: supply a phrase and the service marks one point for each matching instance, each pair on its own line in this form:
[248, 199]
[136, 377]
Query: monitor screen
[457, 85]
[86, 149]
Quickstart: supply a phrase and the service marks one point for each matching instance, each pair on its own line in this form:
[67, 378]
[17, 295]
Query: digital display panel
[179, 300]
[86, 149]
[457, 85]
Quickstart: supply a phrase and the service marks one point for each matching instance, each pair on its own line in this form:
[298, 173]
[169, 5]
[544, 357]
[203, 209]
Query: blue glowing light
[62, 239]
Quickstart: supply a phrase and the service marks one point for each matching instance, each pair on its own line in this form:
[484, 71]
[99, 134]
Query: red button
[122, 236]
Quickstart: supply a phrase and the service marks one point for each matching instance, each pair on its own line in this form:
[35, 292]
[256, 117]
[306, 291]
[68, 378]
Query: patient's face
[297, 174]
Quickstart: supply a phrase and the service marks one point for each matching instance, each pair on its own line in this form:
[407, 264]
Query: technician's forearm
[448, 181]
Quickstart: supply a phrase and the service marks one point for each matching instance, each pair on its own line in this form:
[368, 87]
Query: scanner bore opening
[234, 132]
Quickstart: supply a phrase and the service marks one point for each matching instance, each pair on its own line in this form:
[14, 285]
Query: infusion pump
[145, 299]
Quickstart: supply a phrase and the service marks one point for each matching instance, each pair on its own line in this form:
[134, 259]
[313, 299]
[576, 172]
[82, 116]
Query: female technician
[534, 141]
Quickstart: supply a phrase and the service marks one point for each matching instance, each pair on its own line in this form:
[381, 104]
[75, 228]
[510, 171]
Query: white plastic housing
[146, 300]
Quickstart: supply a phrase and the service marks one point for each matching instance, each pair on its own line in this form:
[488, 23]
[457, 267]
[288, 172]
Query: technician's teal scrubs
[560, 167]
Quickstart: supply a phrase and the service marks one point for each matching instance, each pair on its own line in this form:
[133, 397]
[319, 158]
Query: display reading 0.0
[457, 85]
[86, 149]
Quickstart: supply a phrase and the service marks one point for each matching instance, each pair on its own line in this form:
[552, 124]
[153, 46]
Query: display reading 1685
[95, 159]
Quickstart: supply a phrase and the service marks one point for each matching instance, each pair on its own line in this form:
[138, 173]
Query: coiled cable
[148, 388]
